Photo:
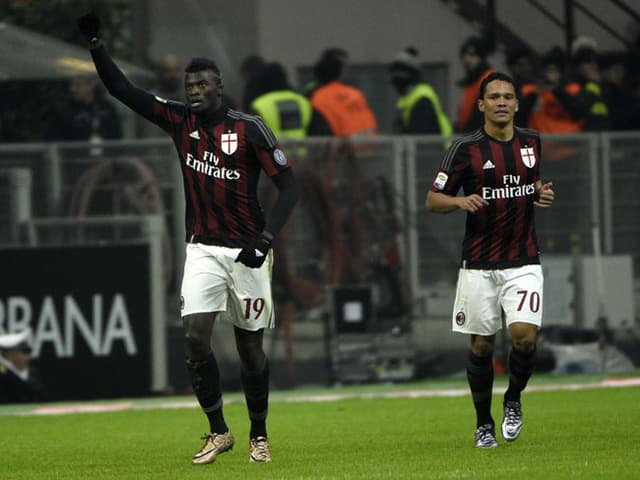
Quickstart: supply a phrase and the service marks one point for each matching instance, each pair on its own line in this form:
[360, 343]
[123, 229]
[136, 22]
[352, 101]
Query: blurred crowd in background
[560, 91]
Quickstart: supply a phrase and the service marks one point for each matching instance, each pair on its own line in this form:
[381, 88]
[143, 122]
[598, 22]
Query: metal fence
[361, 217]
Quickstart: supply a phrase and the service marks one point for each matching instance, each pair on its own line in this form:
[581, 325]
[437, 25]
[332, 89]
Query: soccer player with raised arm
[497, 167]
[228, 241]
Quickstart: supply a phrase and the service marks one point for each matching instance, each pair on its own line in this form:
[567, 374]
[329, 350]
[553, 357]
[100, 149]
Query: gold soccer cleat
[259, 450]
[214, 445]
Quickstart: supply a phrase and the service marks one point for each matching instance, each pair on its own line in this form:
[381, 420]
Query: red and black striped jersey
[221, 157]
[501, 235]
[221, 160]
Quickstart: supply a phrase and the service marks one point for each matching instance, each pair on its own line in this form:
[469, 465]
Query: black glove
[255, 254]
[89, 25]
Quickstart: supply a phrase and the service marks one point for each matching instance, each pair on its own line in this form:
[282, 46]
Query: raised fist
[89, 25]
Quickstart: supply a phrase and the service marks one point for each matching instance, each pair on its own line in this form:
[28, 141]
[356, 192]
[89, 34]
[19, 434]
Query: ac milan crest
[460, 318]
[528, 156]
[229, 143]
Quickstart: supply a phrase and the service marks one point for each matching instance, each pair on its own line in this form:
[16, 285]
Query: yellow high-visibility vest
[285, 112]
[406, 102]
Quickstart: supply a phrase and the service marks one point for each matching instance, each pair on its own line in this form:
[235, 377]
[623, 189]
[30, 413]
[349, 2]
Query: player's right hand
[89, 25]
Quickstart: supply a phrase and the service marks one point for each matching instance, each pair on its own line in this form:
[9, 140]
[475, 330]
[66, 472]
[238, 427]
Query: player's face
[499, 103]
[203, 91]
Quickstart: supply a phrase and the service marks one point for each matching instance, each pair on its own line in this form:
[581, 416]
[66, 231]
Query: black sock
[520, 370]
[256, 393]
[480, 378]
[205, 380]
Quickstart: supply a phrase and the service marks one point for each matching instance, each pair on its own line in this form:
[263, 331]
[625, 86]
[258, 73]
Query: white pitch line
[328, 397]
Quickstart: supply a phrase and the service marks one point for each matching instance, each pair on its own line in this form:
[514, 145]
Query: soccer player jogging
[228, 253]
[497, 166]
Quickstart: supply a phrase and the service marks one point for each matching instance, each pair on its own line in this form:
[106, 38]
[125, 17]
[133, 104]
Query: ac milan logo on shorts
[460, 318]
[181, 302]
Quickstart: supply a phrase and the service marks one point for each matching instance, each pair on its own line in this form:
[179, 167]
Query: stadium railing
[361, 218]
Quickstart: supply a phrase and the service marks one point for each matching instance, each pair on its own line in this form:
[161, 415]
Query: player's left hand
[545, 196]
[255, 254]
[89, 25]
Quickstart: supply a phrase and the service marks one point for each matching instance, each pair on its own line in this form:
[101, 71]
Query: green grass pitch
[369, 432]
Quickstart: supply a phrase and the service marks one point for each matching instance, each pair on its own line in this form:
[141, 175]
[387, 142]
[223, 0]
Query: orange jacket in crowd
[345, 109]
[469, 104]
[552, 116]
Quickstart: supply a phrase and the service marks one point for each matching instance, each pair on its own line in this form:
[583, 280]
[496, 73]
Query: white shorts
[214, 282]
[482, 296]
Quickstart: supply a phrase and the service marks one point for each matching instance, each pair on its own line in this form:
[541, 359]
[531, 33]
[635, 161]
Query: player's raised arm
[118, 85]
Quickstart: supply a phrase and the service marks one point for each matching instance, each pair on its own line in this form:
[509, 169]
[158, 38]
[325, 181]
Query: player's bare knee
[524, 340]
[482, 346]
[524, 345]
[523, 337]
